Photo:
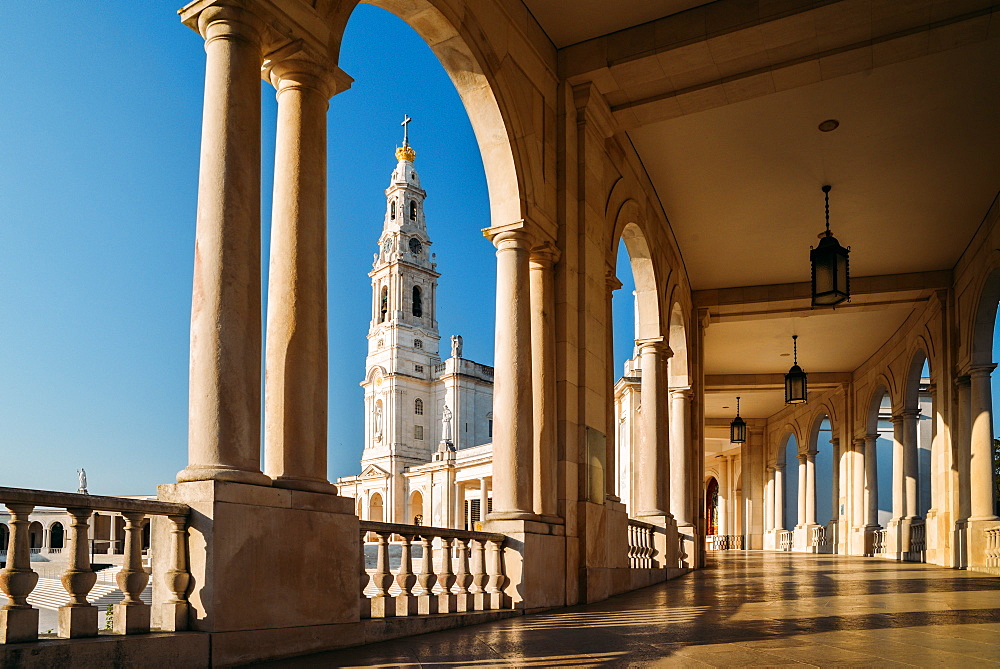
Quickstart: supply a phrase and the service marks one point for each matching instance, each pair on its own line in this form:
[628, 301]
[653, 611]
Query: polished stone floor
[745, 609]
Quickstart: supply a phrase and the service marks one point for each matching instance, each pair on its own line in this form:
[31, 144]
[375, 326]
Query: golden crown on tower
[406, 152]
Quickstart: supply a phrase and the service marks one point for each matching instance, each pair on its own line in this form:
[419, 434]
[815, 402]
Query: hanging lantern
[796, 391]
[831, 281]
[738, 428]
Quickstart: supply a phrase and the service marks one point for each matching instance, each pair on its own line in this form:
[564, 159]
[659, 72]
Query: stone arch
[376, 508]
[911, 384]
[981, 344]
[57, 536]
[628, 222]
[788, 431]
[874, 404]
[711, 502]
[677, 340]
[462, 51]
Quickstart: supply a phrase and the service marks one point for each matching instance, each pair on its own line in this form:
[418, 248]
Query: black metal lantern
[796, 391]
[738, 428]
[831, 279]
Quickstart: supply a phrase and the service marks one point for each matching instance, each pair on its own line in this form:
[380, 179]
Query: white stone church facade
[428, 457]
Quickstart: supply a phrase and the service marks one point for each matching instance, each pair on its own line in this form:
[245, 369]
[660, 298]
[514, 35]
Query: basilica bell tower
[403, 336]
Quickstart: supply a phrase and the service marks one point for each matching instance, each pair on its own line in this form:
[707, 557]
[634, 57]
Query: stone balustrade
[992, 548]
[878, 542]
[725, 542]
[79, 618]
[785, 540]
[641, 544]
[817, 537]
[918, 538]
[458, 572]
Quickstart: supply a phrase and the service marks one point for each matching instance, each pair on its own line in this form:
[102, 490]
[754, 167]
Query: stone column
[779, 497]
[654, 457]
[810, 488]
[680, 459]
[723, 506]
[871, 480]
[858, 484]
[769, 501]
[801, 520]
[295, 398]
[910, 475]
[835, 475]
[963, 390]
[981, 447]
[484, 498]
[898, 487]
[513, 423]
[224, 396]
[543, 380]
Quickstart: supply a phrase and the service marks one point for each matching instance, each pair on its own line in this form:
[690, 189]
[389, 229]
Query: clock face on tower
[415, 246]
[387, 246]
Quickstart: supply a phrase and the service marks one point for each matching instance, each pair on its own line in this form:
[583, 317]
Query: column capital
[963, 380]
[681, 393]
[611, 280]
[654, 345]
[231, 20]
[979, 371]
[896, 418]
[292, 66]
[910, 413]
[871, 437]
[779, 466]
[510, 235]
[544, 255]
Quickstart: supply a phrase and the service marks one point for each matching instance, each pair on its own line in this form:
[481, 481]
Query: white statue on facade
[446, 423]
[378, 422]
[82, 476]
[456, 346]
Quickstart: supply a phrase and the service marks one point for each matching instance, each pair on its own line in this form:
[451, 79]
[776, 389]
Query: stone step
[50, 594]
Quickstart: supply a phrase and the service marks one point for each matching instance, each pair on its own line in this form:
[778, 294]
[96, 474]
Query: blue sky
[97, 232]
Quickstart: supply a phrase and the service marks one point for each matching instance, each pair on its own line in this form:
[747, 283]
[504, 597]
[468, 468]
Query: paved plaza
[745, 609]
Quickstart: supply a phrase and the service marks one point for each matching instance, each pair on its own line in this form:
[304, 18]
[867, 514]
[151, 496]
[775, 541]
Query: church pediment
[373, 472]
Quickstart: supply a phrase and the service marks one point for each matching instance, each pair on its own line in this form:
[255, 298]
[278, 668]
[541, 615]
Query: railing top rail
[73, 500]
[421, 530]
[638, 523]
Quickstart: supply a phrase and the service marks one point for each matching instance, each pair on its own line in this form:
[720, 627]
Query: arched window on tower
[384, 304]
[392, 210]
[418, 307]
[418, 407]
[413, 210]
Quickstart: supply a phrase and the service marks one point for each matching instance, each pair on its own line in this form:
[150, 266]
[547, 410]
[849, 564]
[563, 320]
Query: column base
[131, 618]
[311, 485]
[18, 625]
[514, 515]
[534, 559]
[173, 616]
[77, 622]
[212, 473]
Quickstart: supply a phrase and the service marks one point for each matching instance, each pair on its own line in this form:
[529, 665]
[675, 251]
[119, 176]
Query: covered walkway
[745, 608]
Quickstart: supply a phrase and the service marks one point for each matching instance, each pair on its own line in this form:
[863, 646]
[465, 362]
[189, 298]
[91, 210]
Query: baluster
[132, 615]
[496, 580]
[447, 602]
[427, 603]
[383, 606]
[462, 576]
[174, 612]
[649, 545]
[18, 620]
[78, 618]
[633, 546]
[366, 603]
[406, 603]
[478, 589]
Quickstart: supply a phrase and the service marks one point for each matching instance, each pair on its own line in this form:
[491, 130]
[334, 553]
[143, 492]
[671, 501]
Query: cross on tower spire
[406, 127]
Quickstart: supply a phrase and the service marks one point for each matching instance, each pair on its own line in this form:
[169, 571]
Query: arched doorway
[790, 451]
[416, 515]
[36, 537]
[56, 537]
[712, 507]
[375, 510]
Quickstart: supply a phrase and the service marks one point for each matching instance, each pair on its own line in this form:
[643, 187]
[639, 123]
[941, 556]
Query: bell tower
[403, 335]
